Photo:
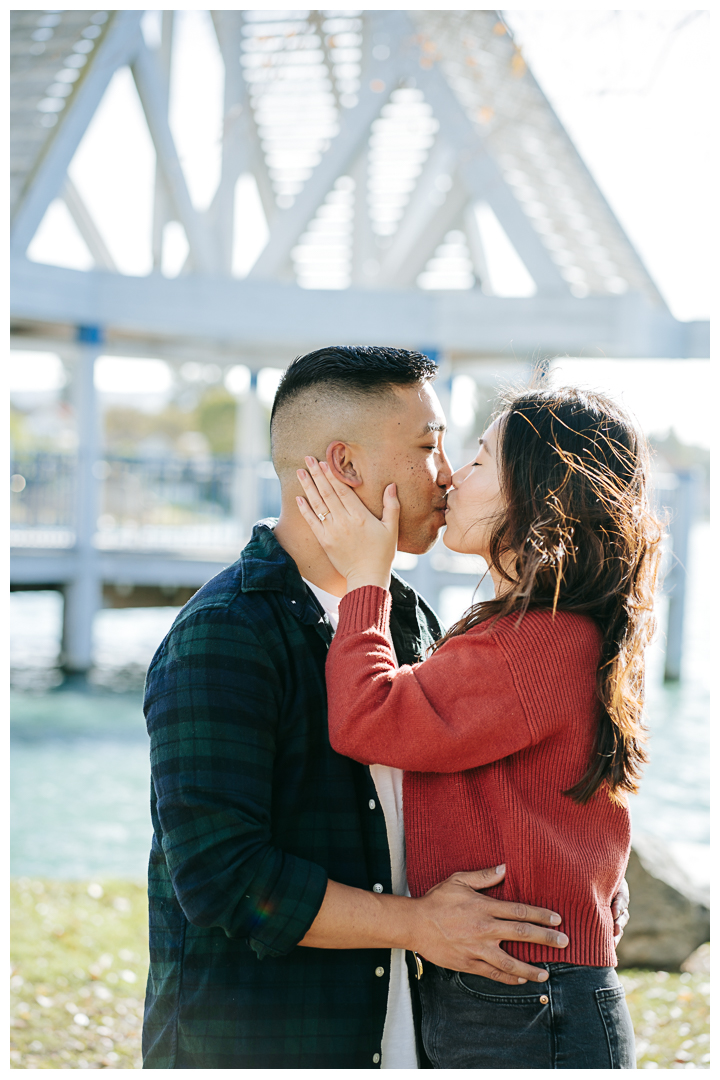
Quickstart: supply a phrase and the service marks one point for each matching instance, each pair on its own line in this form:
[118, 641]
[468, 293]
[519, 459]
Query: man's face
[406, 448]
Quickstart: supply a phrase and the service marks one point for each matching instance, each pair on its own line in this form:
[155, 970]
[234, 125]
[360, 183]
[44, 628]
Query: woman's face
[475, 501]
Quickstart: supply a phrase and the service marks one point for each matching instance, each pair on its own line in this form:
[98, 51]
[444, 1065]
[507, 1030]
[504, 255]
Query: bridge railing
[155, 502]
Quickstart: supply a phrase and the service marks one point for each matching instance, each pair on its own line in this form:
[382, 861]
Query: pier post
[676, 582]
[83, 595]
[250, 450]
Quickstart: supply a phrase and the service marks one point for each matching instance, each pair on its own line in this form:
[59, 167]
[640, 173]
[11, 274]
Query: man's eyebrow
[433, 425]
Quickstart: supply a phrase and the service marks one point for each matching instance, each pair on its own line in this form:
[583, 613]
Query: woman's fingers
[312, 494]
[343, 491]
[310, 516]
[339, 496]
[391, 508]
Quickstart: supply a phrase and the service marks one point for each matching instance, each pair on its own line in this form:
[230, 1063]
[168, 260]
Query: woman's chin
[448, 540]
[453, 544]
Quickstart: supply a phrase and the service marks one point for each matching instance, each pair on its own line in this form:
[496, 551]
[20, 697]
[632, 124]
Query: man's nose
[444, 477]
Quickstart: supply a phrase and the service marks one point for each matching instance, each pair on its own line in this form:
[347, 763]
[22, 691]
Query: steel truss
[371, 137]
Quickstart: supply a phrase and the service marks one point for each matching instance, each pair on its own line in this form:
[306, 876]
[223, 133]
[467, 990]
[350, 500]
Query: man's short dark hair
[354, 370]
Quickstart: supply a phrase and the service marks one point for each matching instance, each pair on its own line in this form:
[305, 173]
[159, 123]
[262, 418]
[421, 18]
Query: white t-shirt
[398, 1042]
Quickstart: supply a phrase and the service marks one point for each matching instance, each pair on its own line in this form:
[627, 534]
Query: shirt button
[377, 888]
[544, 999]
[376, 1059]
[371, 804]
[379, 971]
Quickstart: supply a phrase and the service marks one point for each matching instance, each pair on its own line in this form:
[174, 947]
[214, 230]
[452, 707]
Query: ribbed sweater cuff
[365, 609]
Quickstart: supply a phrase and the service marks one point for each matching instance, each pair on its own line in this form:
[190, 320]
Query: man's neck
[295, 537]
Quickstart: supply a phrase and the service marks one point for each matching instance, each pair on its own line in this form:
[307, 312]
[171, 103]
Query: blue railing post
[83, 594]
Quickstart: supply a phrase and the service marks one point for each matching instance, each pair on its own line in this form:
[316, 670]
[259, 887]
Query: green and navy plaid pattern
[252, 811]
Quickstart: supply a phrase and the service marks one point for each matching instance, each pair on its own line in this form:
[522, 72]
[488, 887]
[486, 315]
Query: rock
[698, 963]
[669, 916]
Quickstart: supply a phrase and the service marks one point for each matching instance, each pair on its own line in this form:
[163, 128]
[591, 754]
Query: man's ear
[339, 457]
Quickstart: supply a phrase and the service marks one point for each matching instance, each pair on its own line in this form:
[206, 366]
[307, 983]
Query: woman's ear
[339, 457]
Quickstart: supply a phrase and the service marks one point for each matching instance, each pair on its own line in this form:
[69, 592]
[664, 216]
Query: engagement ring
[323, 516]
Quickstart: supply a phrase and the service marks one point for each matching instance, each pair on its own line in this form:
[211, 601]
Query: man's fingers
[526, 931]
[481, 879]
[622, 920]
[502, 964]
[479, 967]
[516, 912]
[621, 900]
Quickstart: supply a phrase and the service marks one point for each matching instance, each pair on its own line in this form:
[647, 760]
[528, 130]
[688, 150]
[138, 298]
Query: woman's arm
[457, 710]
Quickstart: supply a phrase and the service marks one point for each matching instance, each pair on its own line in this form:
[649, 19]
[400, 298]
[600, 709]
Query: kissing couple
[380, 843]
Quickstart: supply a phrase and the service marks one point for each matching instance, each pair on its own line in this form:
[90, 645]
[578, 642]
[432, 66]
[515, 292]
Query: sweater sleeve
[457, 710]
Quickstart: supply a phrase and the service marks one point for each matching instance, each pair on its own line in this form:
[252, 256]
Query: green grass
[671, 1016]
[79, 964]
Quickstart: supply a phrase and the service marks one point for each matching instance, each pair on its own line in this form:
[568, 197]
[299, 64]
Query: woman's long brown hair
[577, 534]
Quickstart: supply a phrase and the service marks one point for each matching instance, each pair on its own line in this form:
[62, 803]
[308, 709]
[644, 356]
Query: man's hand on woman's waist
[453, 925]
[462, 929]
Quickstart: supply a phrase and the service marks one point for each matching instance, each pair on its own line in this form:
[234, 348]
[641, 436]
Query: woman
[521, 735]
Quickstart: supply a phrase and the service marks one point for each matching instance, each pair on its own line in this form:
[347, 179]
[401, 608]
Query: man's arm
[212, 742]
[453, 926]
[212, 701]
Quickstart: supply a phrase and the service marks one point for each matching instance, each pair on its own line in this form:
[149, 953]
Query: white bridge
[383, 145]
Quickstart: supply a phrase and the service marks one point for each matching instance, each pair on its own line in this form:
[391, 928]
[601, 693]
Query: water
[80, 773]
[79, 786]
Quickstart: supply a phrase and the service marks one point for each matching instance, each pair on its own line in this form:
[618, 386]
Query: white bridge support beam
[117, 49]
[380, 81]
[87, 227]
[83, 593]
[152, 89]
[161, 200]
[245, 315]
[404, 260]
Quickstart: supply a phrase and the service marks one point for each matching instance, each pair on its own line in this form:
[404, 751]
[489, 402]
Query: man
[279, 920]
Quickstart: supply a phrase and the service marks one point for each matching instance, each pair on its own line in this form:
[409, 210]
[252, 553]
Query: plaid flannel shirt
[252, 812]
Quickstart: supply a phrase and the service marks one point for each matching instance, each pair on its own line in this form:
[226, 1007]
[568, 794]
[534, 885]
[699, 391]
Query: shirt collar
[265, 566]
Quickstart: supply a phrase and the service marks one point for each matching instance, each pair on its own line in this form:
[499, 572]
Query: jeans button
[544, 1000]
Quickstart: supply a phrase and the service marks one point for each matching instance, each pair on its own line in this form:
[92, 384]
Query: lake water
[80, 774]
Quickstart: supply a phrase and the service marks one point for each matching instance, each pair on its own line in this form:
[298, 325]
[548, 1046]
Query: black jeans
[578, 1019]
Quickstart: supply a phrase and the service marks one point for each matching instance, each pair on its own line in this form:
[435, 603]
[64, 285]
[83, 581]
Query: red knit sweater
[490, 730]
